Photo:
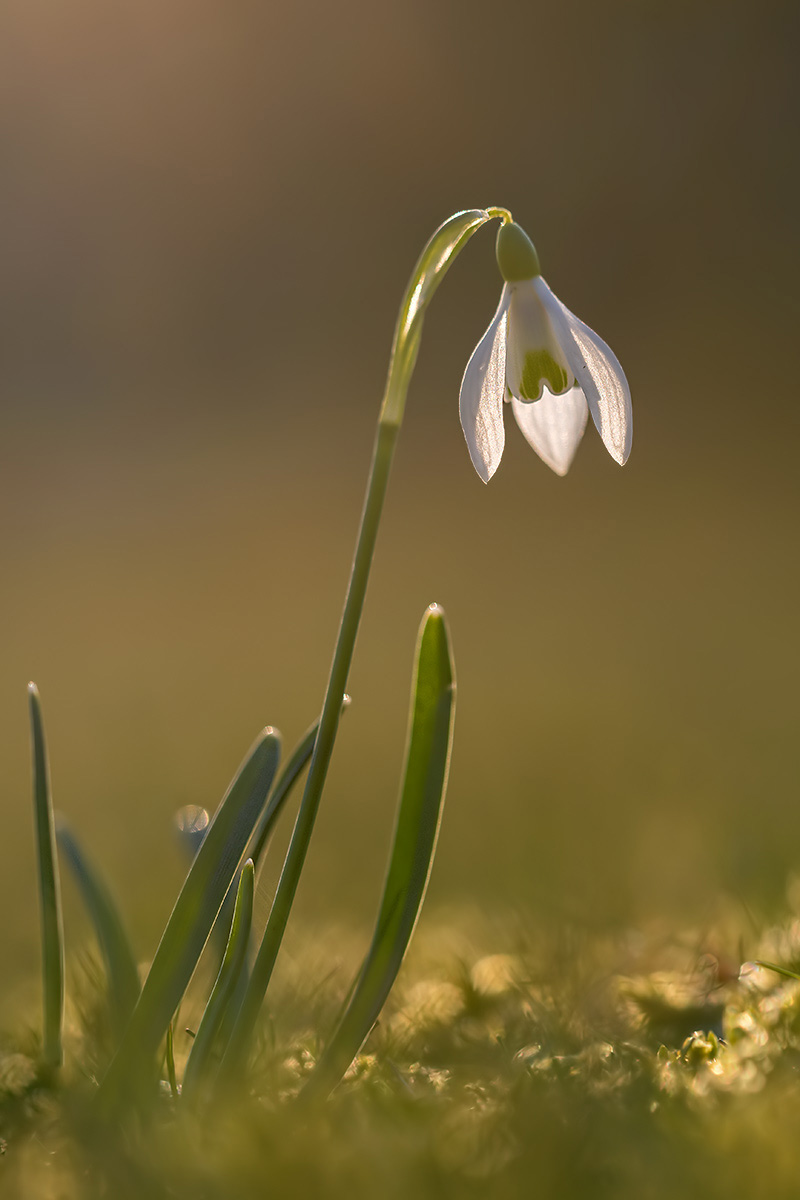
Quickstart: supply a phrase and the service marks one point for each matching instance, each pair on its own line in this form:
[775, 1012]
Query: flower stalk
[439, 253]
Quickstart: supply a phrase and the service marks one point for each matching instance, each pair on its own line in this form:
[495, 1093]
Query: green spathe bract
[516, 254]
[419, 814]
[438, 255]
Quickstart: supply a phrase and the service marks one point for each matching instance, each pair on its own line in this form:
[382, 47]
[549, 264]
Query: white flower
[551, 367]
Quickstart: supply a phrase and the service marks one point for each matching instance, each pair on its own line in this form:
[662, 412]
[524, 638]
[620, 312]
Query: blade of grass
[189, 925]
[416, 830]
[49, 890]
[115, 946]
[198, 1065]
[784, 971]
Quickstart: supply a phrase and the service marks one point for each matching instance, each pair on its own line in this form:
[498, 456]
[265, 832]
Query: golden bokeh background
[210, 212]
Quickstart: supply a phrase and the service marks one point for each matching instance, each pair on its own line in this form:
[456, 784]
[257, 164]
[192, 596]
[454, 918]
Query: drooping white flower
[552, 368]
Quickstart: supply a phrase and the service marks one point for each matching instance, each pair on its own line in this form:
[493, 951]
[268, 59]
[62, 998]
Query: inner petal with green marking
[541, 369]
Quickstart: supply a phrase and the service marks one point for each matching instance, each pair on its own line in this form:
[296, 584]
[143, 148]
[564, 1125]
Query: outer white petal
[482, 390]
[554, 426]
[598, 373]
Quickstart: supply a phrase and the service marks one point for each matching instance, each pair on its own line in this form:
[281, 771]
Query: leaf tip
[435, 620]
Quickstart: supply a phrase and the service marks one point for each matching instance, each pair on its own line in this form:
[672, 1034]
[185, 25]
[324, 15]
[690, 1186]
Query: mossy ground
[574, 1066]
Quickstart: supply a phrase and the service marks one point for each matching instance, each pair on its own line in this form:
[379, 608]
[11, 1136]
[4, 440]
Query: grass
[581, 1066]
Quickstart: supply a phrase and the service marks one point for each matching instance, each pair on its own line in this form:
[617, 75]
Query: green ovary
[541, 368]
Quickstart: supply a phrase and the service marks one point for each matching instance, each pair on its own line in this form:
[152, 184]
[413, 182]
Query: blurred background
[210, 212]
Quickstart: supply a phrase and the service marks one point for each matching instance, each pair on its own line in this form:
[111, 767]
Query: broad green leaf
[188, 928]
[197, 1066]
[416, 831]
[115, 946]
[49, 890]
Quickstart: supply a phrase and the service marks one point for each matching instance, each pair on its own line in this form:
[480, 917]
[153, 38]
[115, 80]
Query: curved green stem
[440, 251]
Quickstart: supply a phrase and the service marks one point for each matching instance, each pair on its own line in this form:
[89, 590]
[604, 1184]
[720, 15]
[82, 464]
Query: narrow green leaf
[281, 792]
[262, 834]
[49, 890]
[416, 831]
[188, 928]
[198, 1065]
[264, 829]
[283, 786]
[115, 946]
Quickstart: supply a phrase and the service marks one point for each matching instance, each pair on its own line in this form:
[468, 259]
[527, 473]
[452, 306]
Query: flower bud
[516, 254]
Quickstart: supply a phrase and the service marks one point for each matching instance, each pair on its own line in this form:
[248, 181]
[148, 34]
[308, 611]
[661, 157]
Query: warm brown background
[209, 214]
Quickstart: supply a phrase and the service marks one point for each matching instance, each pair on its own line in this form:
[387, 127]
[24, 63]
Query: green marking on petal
[541, 368]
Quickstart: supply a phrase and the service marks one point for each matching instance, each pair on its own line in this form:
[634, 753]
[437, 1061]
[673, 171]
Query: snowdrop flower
[552, 368]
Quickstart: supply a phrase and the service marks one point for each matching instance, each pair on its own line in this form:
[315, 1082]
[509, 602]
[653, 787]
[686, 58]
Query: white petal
[598, 373]
[481, 400]
[554, 426]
